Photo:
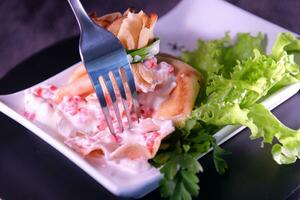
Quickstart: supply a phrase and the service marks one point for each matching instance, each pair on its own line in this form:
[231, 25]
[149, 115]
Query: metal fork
[104, 57]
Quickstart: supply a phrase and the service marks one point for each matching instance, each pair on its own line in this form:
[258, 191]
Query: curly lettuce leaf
[233, 100]
[242, 49]
[207, 57]
[285, 42]
[220, 56]
[250, 81]
[265, 125]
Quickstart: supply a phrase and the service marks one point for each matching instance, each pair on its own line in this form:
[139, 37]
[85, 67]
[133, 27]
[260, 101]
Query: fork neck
[82, 17]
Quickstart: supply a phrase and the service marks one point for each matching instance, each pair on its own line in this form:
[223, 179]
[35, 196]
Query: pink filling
[86, 113]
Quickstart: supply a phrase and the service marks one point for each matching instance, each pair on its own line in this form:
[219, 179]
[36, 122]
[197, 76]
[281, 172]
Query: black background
[31, 169]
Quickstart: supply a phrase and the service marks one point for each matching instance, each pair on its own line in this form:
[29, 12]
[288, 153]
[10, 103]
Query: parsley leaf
[179, 161]
[218, 153]
[190, 181]
[169, 169]
[167, 187]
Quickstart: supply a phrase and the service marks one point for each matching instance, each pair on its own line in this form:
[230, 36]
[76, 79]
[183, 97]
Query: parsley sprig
[178, 159]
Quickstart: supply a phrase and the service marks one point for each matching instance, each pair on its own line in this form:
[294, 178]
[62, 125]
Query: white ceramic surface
[191, 19]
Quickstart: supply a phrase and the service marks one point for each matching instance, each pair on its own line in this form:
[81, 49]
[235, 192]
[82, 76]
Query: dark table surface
[31, 169]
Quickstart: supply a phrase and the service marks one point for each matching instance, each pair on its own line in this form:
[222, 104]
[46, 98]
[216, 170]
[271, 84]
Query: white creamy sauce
[158, 96]
[81, 122]
[125, 165]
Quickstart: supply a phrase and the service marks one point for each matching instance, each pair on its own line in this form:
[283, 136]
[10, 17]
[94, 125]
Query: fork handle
[82, 17]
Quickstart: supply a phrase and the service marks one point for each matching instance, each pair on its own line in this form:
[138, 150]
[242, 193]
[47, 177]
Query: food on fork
[167, 90]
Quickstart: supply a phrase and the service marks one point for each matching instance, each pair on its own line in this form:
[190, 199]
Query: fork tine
[98, 89]
[100, 94]
[116, 76]
[118, 79]
[108, 84]
[108, 120]
[131, 84]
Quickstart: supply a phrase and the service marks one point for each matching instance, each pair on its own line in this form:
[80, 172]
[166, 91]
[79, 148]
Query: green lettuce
[220, 56]
[233, 99]
[208, 56]
[286, 43]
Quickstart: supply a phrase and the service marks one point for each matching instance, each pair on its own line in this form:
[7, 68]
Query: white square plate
[188, 21]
